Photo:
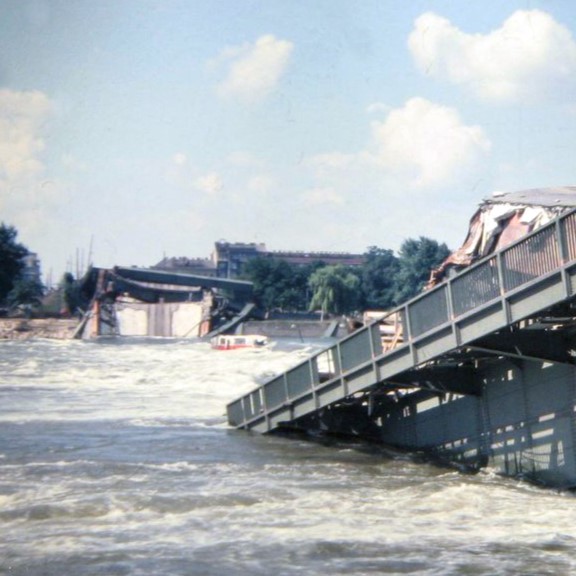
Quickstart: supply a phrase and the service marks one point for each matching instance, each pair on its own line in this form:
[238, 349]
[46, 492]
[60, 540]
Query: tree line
[19, 291]
[383, 281]
[15, 288]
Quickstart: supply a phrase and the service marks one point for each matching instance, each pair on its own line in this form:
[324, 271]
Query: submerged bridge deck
[470, 311]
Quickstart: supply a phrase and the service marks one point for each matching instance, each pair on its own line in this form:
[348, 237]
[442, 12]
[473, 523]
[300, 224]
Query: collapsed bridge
[480, 369]
[159, 303]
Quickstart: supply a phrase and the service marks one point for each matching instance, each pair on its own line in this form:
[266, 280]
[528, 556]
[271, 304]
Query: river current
[116, 459]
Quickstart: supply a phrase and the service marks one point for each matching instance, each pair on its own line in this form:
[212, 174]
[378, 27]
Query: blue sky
[148, 128]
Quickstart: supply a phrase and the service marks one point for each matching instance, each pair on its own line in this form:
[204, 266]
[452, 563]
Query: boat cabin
[236, 341]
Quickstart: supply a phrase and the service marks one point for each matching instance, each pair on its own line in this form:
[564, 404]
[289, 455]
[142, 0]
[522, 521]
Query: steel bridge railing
[490, 280]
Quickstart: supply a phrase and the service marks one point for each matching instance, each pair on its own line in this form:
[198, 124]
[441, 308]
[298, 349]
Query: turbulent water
[116, 459]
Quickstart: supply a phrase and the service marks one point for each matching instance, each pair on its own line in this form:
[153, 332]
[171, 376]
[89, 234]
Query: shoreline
[65, 328]
[28, 328]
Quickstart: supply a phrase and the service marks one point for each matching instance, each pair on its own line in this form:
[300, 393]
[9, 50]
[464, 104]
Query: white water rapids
[116, 459]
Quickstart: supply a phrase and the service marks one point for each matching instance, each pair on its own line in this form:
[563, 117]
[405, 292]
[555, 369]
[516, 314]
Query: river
[116, 459]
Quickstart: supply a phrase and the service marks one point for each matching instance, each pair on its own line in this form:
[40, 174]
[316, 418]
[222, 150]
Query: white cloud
[73, 164]
[419, 145]
[531, 56]
[179, 159]
[29, 199]
[322, 197]
[260, 184]
[255, 70]
[428, 143]
[210, 183]
[27, 196]
[22, 115]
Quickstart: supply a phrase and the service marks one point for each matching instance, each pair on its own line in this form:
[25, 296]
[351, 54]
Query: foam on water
[116, 459]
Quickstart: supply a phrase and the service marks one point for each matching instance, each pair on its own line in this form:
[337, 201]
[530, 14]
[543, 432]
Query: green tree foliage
[26, 292]
[416, 259]
[378, 278]
[335, 290]
[277, 284]
[11, 263]
[71, 293]
[382, 282]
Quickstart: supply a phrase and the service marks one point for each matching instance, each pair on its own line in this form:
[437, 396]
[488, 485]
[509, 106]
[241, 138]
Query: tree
[378, 278]
[277, 284]
[416, 259]
[11, 259]
[27, 292]
[71, 293]
[335, 290]
[382, 282]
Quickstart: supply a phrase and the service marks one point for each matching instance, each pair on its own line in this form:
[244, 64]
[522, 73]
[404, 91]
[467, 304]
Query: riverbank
[26, 328]
[64, 328]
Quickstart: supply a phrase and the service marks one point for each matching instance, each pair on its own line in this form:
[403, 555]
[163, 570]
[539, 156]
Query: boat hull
[238, 342]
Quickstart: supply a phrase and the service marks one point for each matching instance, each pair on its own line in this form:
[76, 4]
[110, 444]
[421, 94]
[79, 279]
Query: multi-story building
[330, 258]
[196, 266]
[31, 270]
[230, 257]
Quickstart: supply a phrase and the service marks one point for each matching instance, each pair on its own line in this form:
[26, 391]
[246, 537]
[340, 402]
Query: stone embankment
[24, 328]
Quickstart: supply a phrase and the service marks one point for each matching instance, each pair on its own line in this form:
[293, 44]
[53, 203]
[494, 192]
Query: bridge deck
[521, 280]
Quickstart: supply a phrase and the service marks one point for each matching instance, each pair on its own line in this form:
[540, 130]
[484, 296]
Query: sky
[131, 130]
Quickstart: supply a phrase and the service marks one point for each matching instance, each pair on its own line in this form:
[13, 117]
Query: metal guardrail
[531, 257]
[444, 315]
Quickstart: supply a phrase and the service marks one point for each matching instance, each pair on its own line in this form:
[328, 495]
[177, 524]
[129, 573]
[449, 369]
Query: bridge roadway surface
[489, 307]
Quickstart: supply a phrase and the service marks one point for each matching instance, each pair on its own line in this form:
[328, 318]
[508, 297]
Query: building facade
[229, 258]
[31, 269]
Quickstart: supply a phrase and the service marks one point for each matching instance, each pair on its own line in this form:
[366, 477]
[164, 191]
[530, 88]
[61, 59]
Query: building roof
[504, 218]
[555, 196]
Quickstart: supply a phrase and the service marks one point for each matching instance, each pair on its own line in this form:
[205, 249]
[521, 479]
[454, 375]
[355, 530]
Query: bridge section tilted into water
[512, 309]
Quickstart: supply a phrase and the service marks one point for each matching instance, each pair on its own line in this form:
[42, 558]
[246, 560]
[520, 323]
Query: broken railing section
[533, 273]
[321, 374]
